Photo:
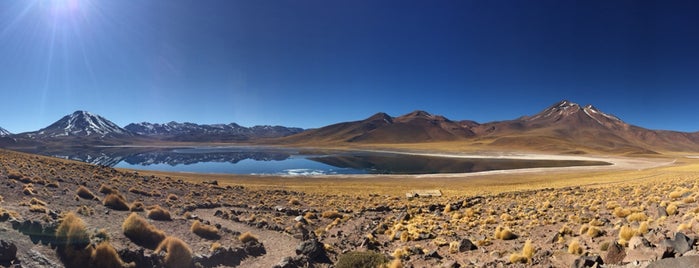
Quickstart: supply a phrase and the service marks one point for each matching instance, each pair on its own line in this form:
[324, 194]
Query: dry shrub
[85, 193]
[172, 197]
[205, 231]
[38, 202]
[396, 263]
[621, 212]
[159, 214]
[504, 233]
[527, 253]
[141, 232]
[137, 206]
[38, 208]
[361, 259]
[139, 191]
[294, 202]
[72, 242]
[247, 237]
[671, 209]
[178, 253]
[105, 189]
[331, 214]
[574, 247]
[105, 256]
[594, 232]
[116, 202]
[625, 234]
[638, 216]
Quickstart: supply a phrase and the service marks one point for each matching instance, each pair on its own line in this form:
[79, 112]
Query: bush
[116, 202]
[137, 206]
[105, 256]
[574, 247]
[172, 197]
[361, 259]
[247, 237]
[72, 242]
[159, 214]
[178, 253]
[205, 231]
[107, 190]
[504, 233]
[526, 255]
[141, 232]
[331, 214]
[85, 193]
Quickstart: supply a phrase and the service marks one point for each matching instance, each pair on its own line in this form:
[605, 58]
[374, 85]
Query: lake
[286, 161]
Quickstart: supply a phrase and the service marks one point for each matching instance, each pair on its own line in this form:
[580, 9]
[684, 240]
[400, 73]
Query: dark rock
[8, 251]
[686, 261]
[680, 244]
[222, 257]
[314, 250]
[466, 245]
[433, 255]
[139, 258]
[587, 261]
[289, 262]
[615, 254]
[254, 248]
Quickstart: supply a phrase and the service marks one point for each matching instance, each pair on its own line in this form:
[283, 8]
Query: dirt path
[278, 245]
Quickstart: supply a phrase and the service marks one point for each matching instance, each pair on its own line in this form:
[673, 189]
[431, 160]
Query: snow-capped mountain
[4, 132]
[195, 132]
[81, 124]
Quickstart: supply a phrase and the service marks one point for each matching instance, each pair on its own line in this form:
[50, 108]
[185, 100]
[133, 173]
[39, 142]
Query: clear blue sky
[309, 63]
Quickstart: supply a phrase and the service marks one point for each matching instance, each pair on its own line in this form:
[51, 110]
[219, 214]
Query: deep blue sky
[312, 63]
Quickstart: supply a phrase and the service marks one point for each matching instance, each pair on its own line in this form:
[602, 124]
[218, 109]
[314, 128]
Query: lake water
[276, 161]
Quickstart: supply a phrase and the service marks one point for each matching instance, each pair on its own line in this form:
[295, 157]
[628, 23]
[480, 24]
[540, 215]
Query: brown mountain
[563, 127]
[418, 126]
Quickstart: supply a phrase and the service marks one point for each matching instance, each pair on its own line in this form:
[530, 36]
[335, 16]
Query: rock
[686, 261]
[637, 242]
[301, 219]
[680, 244]
[222, 257]
[8, 251]
[433, 255]
[615, 254]
[643, 254]
[254, 248]
[466, 245]
[451, 264]
[587, 261]
[314, 250]
[661, 212]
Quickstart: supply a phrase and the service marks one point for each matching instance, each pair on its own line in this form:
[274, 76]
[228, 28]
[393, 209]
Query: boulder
[615, 254]
[466, 245]
[680, 244]
[8, 251]
[314, 250]
[587, 261]
[686, 261]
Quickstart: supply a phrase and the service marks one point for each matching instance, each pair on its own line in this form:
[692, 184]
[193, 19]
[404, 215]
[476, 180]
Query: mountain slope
[218, 132]
[418, 126]
[80, 124]
[4, 132]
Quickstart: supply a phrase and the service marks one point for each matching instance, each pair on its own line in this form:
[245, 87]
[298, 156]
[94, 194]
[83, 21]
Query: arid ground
[635, 212]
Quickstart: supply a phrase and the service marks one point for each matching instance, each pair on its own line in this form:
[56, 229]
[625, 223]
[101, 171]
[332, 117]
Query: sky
[310, 63]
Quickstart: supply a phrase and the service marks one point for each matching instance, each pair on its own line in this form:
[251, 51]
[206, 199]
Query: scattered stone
[254, 248]
[587, 261]
[637, 242]
[433, 255]
[300, 219]
[466, 245]
[661, 212]
[615, 254]
[221, 257]
[451, 264]
[8, 251]
[686, 261]
[680, 244]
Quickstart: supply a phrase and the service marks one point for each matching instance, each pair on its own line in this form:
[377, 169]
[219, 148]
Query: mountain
[80, 124]
[175, 131]
[4, 132]
[562, 127]
[417, 126]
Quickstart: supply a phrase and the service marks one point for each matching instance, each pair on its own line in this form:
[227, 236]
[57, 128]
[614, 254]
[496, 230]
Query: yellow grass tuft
[159, 214]
[331, 214]
[574, 247]
[205, 231]
[671, 209]
[141, 232]
[179, 255]
[637, 216]
[247, 237]
[504, 233]
[85, 193]
[105, 256]
[115, 202]
[625, 234]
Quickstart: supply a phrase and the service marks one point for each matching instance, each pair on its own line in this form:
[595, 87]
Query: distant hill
[563, 127]
[4, 132]
[175, 131]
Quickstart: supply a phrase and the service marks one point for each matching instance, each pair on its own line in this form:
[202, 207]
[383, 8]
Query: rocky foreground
[60, 213]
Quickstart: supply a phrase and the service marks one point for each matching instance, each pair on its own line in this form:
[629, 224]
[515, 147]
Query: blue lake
[285, 161]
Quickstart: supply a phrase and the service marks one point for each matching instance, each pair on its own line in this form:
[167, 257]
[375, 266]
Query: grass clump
[625, 234]
[85, 193]
[178, 253]
[671, 209]
[247, 237]
[526, 255]
[115, 202]
[137, 206]
[574, 247]
[141, 232]
[72, 241]
[105, 256]
[159, 214]
[205, 231]
[331, 214]
[638, 216]
[504, 233]
[363, 259]
[105, 189]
